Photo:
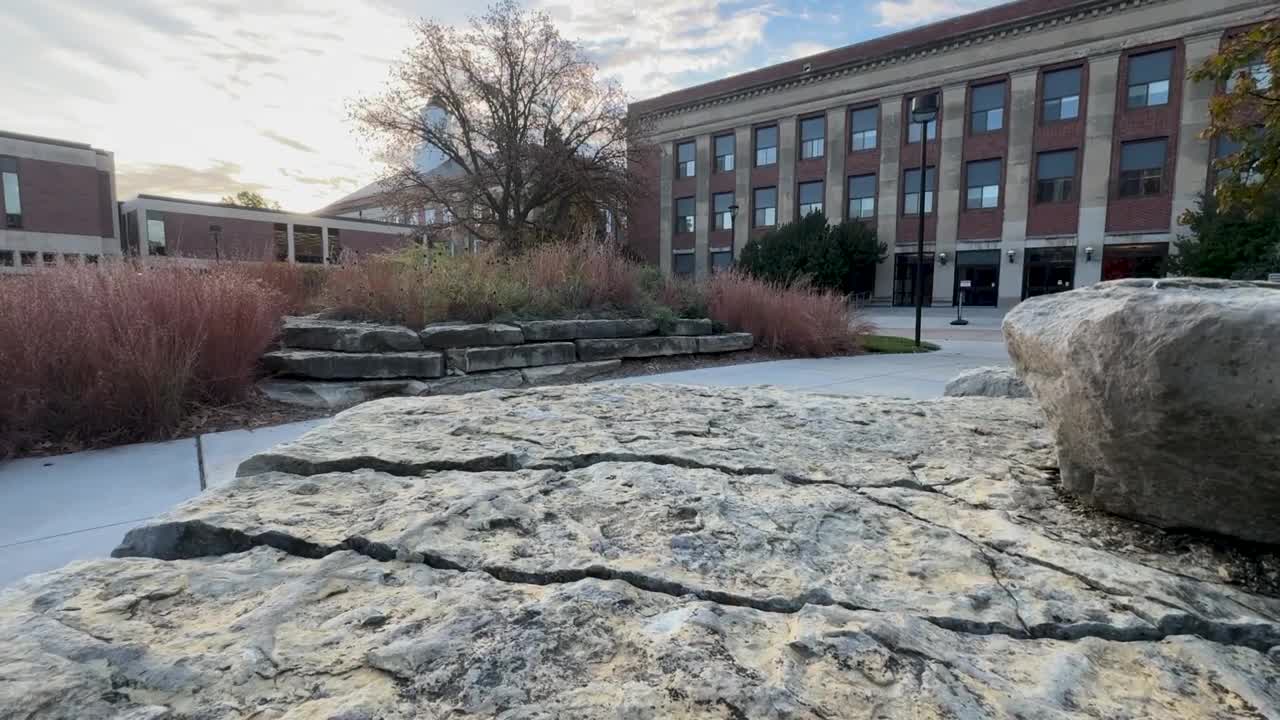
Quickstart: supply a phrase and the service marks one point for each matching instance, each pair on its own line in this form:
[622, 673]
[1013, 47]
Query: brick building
[172, 227]
[57, 201]
[1067, 146]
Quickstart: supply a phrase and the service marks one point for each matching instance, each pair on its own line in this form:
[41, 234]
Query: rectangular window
[986, 105]
[722, 215]
[156, 243]
[862, 196]
[765, 206]
[982, 178]
[1055, 176]
[682, 263]
[6, 258]
[724, 153]
[1062, 94]
[49, 258]
[766, 146]
[335, 246]
[281, 235]
[813, 134]
[685, 221]
[1142, 167]
[1257, 70]
[685, 165]
[865, 123]
[28, 259]
[1149, 75]
[307, 245]
[911, 191]
[721, 259]
[810, 197]
[12, 193]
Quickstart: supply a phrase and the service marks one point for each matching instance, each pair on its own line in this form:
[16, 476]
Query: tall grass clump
[793, 319]
[120, 353]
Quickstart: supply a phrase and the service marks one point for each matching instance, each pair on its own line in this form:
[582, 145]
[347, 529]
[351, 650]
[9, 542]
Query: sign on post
[966, 284]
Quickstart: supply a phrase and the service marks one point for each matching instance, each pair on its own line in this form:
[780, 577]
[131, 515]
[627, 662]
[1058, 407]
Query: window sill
[983, 211]
[864, 151]
[1059, 121]
[1068, 201]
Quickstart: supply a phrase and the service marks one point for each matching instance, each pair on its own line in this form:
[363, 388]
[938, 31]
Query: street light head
[1088, 254]
[1012, 254]
[734, 208]
[924, 107]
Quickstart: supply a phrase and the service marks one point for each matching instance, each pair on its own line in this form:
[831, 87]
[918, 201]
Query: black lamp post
[924, 108]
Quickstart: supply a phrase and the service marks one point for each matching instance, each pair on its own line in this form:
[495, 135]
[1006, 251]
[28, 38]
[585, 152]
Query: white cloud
[659, 47]
[905, 13]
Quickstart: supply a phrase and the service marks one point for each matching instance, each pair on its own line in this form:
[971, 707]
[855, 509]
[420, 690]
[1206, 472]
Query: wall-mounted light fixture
[1012, 254]
[1088, 254]
[942, 259]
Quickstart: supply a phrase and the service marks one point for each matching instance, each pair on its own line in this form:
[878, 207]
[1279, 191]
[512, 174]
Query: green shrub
[841, 257]
[1228, 243]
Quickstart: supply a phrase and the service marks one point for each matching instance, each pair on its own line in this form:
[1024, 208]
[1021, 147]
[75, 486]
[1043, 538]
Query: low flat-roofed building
[57, 202]
[173, 227]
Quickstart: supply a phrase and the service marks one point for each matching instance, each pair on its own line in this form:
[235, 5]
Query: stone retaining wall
[332, 364]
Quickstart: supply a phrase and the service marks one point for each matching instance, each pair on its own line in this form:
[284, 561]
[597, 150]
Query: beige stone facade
[1015, 241]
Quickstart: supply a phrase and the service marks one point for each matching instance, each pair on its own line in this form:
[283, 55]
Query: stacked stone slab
[333, 364]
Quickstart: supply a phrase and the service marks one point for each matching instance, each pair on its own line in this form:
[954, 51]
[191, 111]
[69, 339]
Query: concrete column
[890, 139]
[702, 205]
[1191, 169]
[1095, 170]
[836, 142]
[786, 170]
[950, 182]
[324, 245]
[289, 235]
[742, 189]
[1017, 182]
[664, 205]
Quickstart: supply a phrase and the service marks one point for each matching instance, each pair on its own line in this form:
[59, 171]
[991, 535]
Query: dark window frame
[771, 151]
[821, 202]
[1048, 100]
[757, 208]
[675, 266]
[9, 166]
[850, 197]
[686, 168]
[713, 253]
[1057, 188]
[718, 214]
[910, 189]
[870, 137]
[812, 148]
[684, 223]
[1143, 181]
[986, 112]
[1130, 85]
[982, 198]
[720, 166]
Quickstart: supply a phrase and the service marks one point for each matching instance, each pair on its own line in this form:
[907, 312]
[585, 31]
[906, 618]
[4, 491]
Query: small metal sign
[966, 283]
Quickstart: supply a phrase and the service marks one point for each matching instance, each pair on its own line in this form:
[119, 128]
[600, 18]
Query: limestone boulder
[569, 373]
[480, 359]
[478, 382]
[726, 342]
[1163, 397]
[457, 335]
[686, 326]
[548, 330]
[312, 333]
[328, 365]
[335, 394]
[987, 382]
[607, 348]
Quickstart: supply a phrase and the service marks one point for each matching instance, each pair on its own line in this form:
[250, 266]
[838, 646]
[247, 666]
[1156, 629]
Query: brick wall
[1145, 214]
[63, 198]
[645, 210]
[188, 235]
[363, 241]
[983, 223]
[1059, 218]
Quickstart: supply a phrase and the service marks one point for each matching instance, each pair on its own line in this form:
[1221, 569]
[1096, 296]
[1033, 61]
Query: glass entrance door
[1134, 261]
[982, 269]
[904, 268]
[1048, 270]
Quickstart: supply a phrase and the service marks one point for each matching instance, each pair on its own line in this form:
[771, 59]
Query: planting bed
[334, 364]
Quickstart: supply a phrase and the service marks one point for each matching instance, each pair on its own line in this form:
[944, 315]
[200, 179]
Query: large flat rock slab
[326, 365]
[1163, 397]
[548, 330]
[641, 347]
[311, 333]
[268, 634]
[457, 335]
[481, 359]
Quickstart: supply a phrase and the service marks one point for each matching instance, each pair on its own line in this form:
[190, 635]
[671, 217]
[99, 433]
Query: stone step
[571, 372]
[444, 336]
[334, 394]
[329, 365]
[686, 326]
[480, 359]
[607, 348]
[728, 342]
[547, 330]
[311, 333]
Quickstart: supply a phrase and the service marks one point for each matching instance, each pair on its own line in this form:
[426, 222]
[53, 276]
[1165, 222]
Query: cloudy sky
[201, 98]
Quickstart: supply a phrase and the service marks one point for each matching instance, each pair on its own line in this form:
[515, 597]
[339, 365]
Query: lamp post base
[959, 321]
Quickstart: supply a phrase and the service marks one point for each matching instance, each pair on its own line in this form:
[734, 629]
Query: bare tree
[532, 136]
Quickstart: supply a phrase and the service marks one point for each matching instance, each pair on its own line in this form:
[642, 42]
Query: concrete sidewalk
[70, 507]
